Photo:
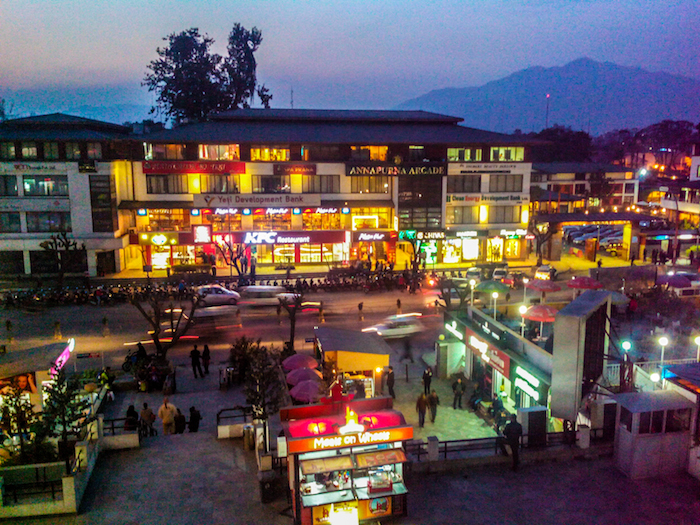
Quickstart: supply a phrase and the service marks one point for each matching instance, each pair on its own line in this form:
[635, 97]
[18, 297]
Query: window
[462, 215]
[651, 422]
[55, 221]
[464, 154]
[464, 184]
[11, 263]
[45, 185]
[51, 150]
[370, 218]
[160, 220]
[321, 221]
[320, 184]
[8, 186]
[629, 187]
[506, 154]
[265, 220]
[416, 153]
[72, 151]
[219, 184]
[504, 214]
[219, 151]
[7, 150]
[580, 189]
[321, 153]
[162, 184]
[678, 420]
[94, 150]
[269, 153]
[271, 184]
[506, 183]
[378, 153]
[370, 185]
[230, 222]
[9, 222]
[164, 151]
[29, 150]
[420, 218]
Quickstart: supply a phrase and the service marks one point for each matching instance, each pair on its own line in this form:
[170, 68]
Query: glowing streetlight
[655, 377]
[626, 346]
[472, 283]
[697, 342]
[522, 311]
[495, 296]
[525, 281]
[663, 341]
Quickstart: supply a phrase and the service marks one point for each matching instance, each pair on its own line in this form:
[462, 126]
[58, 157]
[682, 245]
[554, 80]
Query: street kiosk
[345, 460]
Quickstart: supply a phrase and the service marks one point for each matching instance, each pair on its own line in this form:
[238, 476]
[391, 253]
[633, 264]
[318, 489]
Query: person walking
[147, 420]
[195, 355]
[180, 422]
[427, 378]
[512, 433]
[421, 406]
[166, 413]
[206, 359]
[458, 391]
[390, 380]
[132, 419]
[433, 402]
[195, 418]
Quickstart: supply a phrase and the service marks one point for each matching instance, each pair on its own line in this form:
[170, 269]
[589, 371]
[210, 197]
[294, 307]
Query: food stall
[358, 357]
[345, 461]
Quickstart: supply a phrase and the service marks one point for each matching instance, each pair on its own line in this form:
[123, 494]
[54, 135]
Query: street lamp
[525, 281]
[697, 342]
[626, 346]
[522, 311]
[663, 341]
[495, 296]
[472, 283]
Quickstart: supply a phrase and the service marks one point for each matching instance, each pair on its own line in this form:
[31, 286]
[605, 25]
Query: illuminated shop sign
[528, 383]
[63, 358]
[294, 169]
[463, 198]
[322, 211]
[225, 211]
[158, 239]
[23, 167]
[295, 446]
[276, 200]
[408, 168]
[513, 233]
[201, 234]
[273, 211]
[284, 237]
[166, 166]
[492, 356]
[470, 233]
[452, 328]
[372, 236]
[512, 199]
[409, 235]
[430, 235]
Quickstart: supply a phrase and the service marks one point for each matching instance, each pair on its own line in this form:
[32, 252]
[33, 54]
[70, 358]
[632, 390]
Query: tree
[600, 188]
[231, 253]
[18, 418]
[240, 66]
[561, 144]
[669, 140]
[65, 410]
[5, 110]
[542, 231]
[292, 308]
[68, 255]
[157, 309]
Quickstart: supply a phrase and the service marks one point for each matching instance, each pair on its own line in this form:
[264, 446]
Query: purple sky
[335, 54]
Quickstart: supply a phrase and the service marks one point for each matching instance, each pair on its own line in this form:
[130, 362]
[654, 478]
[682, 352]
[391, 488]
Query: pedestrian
[106, 381]
[195, 418]
[195, 356]
[206, 359]
[433, 402]
[132, 419]
[427, 378]
[512, 433]
[407, 354]
[166, 413]
[421, 406]
[180, 422]
[181, 290]
[147, 420]
[390, 379]
[458, 391]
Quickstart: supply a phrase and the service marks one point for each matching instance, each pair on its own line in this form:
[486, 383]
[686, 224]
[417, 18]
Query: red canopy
[306, 391]
[540, 312]
[299, 361]
[303, 374]
[540, 285]
[584, 283]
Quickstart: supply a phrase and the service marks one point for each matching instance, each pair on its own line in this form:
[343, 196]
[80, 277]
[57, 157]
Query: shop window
[72, 151]
[219, 151]
[267, 221]
[504, 214]
[464, 184]
[320, 184]
[51, 150]
[321, 221]
[370, 218]
[29, 150]
[416, 153]
[164, 151]
[310, 253]
[9, 222]
[8, 186]
[163, 220]
[283, 253]
[512, 248]
[507, 154]
[378, 153]
[166, 184]
[43, 261]
[506, 183]
[11, 263]
[462, 215]
[7, 150]
[229, 222]
[318, 153]
[271, 184]
[219, 184]
[269, 153]
[370, 185]
[45, 185]
[470, 249]
[464, 154]
[494, 250]
[94, 150]
[678, 420]
[420, 218]
[56, 221]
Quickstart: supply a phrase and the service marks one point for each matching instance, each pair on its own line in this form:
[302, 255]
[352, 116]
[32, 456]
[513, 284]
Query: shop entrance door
[494, 250]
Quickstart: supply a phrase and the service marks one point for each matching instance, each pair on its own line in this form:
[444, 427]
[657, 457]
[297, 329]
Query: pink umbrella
[303, 374]
[540, 312]
[540, 285]
[299, 361]
[306, 391]
[674, 281]
[584, 283]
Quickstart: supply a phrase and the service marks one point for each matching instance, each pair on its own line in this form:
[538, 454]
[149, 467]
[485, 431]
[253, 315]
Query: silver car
[216, 295]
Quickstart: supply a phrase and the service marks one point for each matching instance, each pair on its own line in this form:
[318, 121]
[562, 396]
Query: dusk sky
[333, 53]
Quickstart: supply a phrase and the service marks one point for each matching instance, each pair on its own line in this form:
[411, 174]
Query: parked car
[499, 274]
[216, 295]
[397, 326]
[473, 273]
[514, 280]
[546, 273]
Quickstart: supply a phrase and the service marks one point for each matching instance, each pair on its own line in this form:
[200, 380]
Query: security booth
[685, 379]
[652, 433]
[359, 358]
[346, 461]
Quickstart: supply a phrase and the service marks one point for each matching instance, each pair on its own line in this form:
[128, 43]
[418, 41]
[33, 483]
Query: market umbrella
[303, 374]
[619, 299]
[306, 391]
[674, 281]
[584, 283]
[542, 313]
[542, 286]
[492, 286]
[299, 361]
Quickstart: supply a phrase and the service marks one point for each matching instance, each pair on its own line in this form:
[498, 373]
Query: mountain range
[584, 94]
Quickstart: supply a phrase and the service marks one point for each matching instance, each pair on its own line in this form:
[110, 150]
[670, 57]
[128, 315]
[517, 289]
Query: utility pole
[546, 118]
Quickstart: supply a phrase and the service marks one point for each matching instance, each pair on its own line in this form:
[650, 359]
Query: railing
[33, 480]
[18, 490]
[447, 448]
[612, 370]
[111, 426]
[239, 414]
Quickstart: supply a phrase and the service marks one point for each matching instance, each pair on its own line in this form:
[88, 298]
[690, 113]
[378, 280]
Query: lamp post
[626, 346]
[697, 342]
[472, 283]
[495, 296]
[522, 311]
[525, 281]
[663, 341]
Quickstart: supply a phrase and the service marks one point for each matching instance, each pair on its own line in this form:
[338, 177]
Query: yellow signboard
[346, 513]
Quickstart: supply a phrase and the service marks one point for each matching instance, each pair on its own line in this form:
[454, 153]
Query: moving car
[514, 279]
[545, 273]
[216, 295]
[265, 295]
[397, 326]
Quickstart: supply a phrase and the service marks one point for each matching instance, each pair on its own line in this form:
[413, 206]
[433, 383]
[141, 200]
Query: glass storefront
[272, 219]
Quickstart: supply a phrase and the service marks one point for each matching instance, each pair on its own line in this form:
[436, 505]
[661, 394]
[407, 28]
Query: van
[264, 295]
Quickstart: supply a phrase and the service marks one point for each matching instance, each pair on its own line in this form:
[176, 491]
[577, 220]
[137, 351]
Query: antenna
[291, 98]
[546, 118]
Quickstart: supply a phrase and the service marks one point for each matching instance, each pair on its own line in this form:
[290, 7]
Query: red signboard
[184, 166]
[370, 437]
[488, 353]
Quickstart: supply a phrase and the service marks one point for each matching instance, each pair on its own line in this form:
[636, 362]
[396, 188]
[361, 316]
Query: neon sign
[225, 211]
[351, 425]
[452, 328]
[63, 358]
[202, 234]
[525, 387]
[371, 236]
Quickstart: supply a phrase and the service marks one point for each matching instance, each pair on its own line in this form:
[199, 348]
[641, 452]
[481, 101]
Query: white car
[397, 326]
[499, 274]
[474, 273]
[260, 295]
[216, 295]
[544, 272]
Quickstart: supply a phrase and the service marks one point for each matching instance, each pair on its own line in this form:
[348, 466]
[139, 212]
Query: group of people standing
[198, 358]
[174, 421]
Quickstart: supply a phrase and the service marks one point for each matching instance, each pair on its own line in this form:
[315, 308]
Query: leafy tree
[65, 411]
[240, 65]
[668, 140]
[600, 187]
[19, 418]
[542, 231]
[157, 309]
[68, 255]
[292, 308]
[263, 383]
[561, 144]
[5, 110]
